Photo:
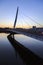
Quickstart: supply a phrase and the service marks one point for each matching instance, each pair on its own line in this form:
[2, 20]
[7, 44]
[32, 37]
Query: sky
[30, 13]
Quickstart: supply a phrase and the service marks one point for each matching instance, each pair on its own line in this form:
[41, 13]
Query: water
[34, 45]
[10, 56]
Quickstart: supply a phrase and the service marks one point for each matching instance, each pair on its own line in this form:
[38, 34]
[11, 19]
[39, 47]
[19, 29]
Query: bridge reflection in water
[27, 55]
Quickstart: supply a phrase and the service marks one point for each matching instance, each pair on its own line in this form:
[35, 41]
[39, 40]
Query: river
[9, 55]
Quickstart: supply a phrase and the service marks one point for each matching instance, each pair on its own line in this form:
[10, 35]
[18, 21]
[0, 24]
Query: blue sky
[27, 8]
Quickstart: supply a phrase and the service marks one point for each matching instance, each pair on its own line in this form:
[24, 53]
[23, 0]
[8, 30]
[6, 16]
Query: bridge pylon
[16, 17]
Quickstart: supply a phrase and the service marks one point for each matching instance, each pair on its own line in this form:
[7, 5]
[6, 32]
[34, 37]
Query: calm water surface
[8, 54]
[34, 45]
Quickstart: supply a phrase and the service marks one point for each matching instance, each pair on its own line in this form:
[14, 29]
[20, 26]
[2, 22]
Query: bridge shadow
[27, 56]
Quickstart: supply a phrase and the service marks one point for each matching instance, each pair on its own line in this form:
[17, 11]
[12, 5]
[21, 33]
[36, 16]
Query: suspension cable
[33, 20]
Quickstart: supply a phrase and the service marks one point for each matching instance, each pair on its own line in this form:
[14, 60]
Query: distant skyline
[27, 8]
